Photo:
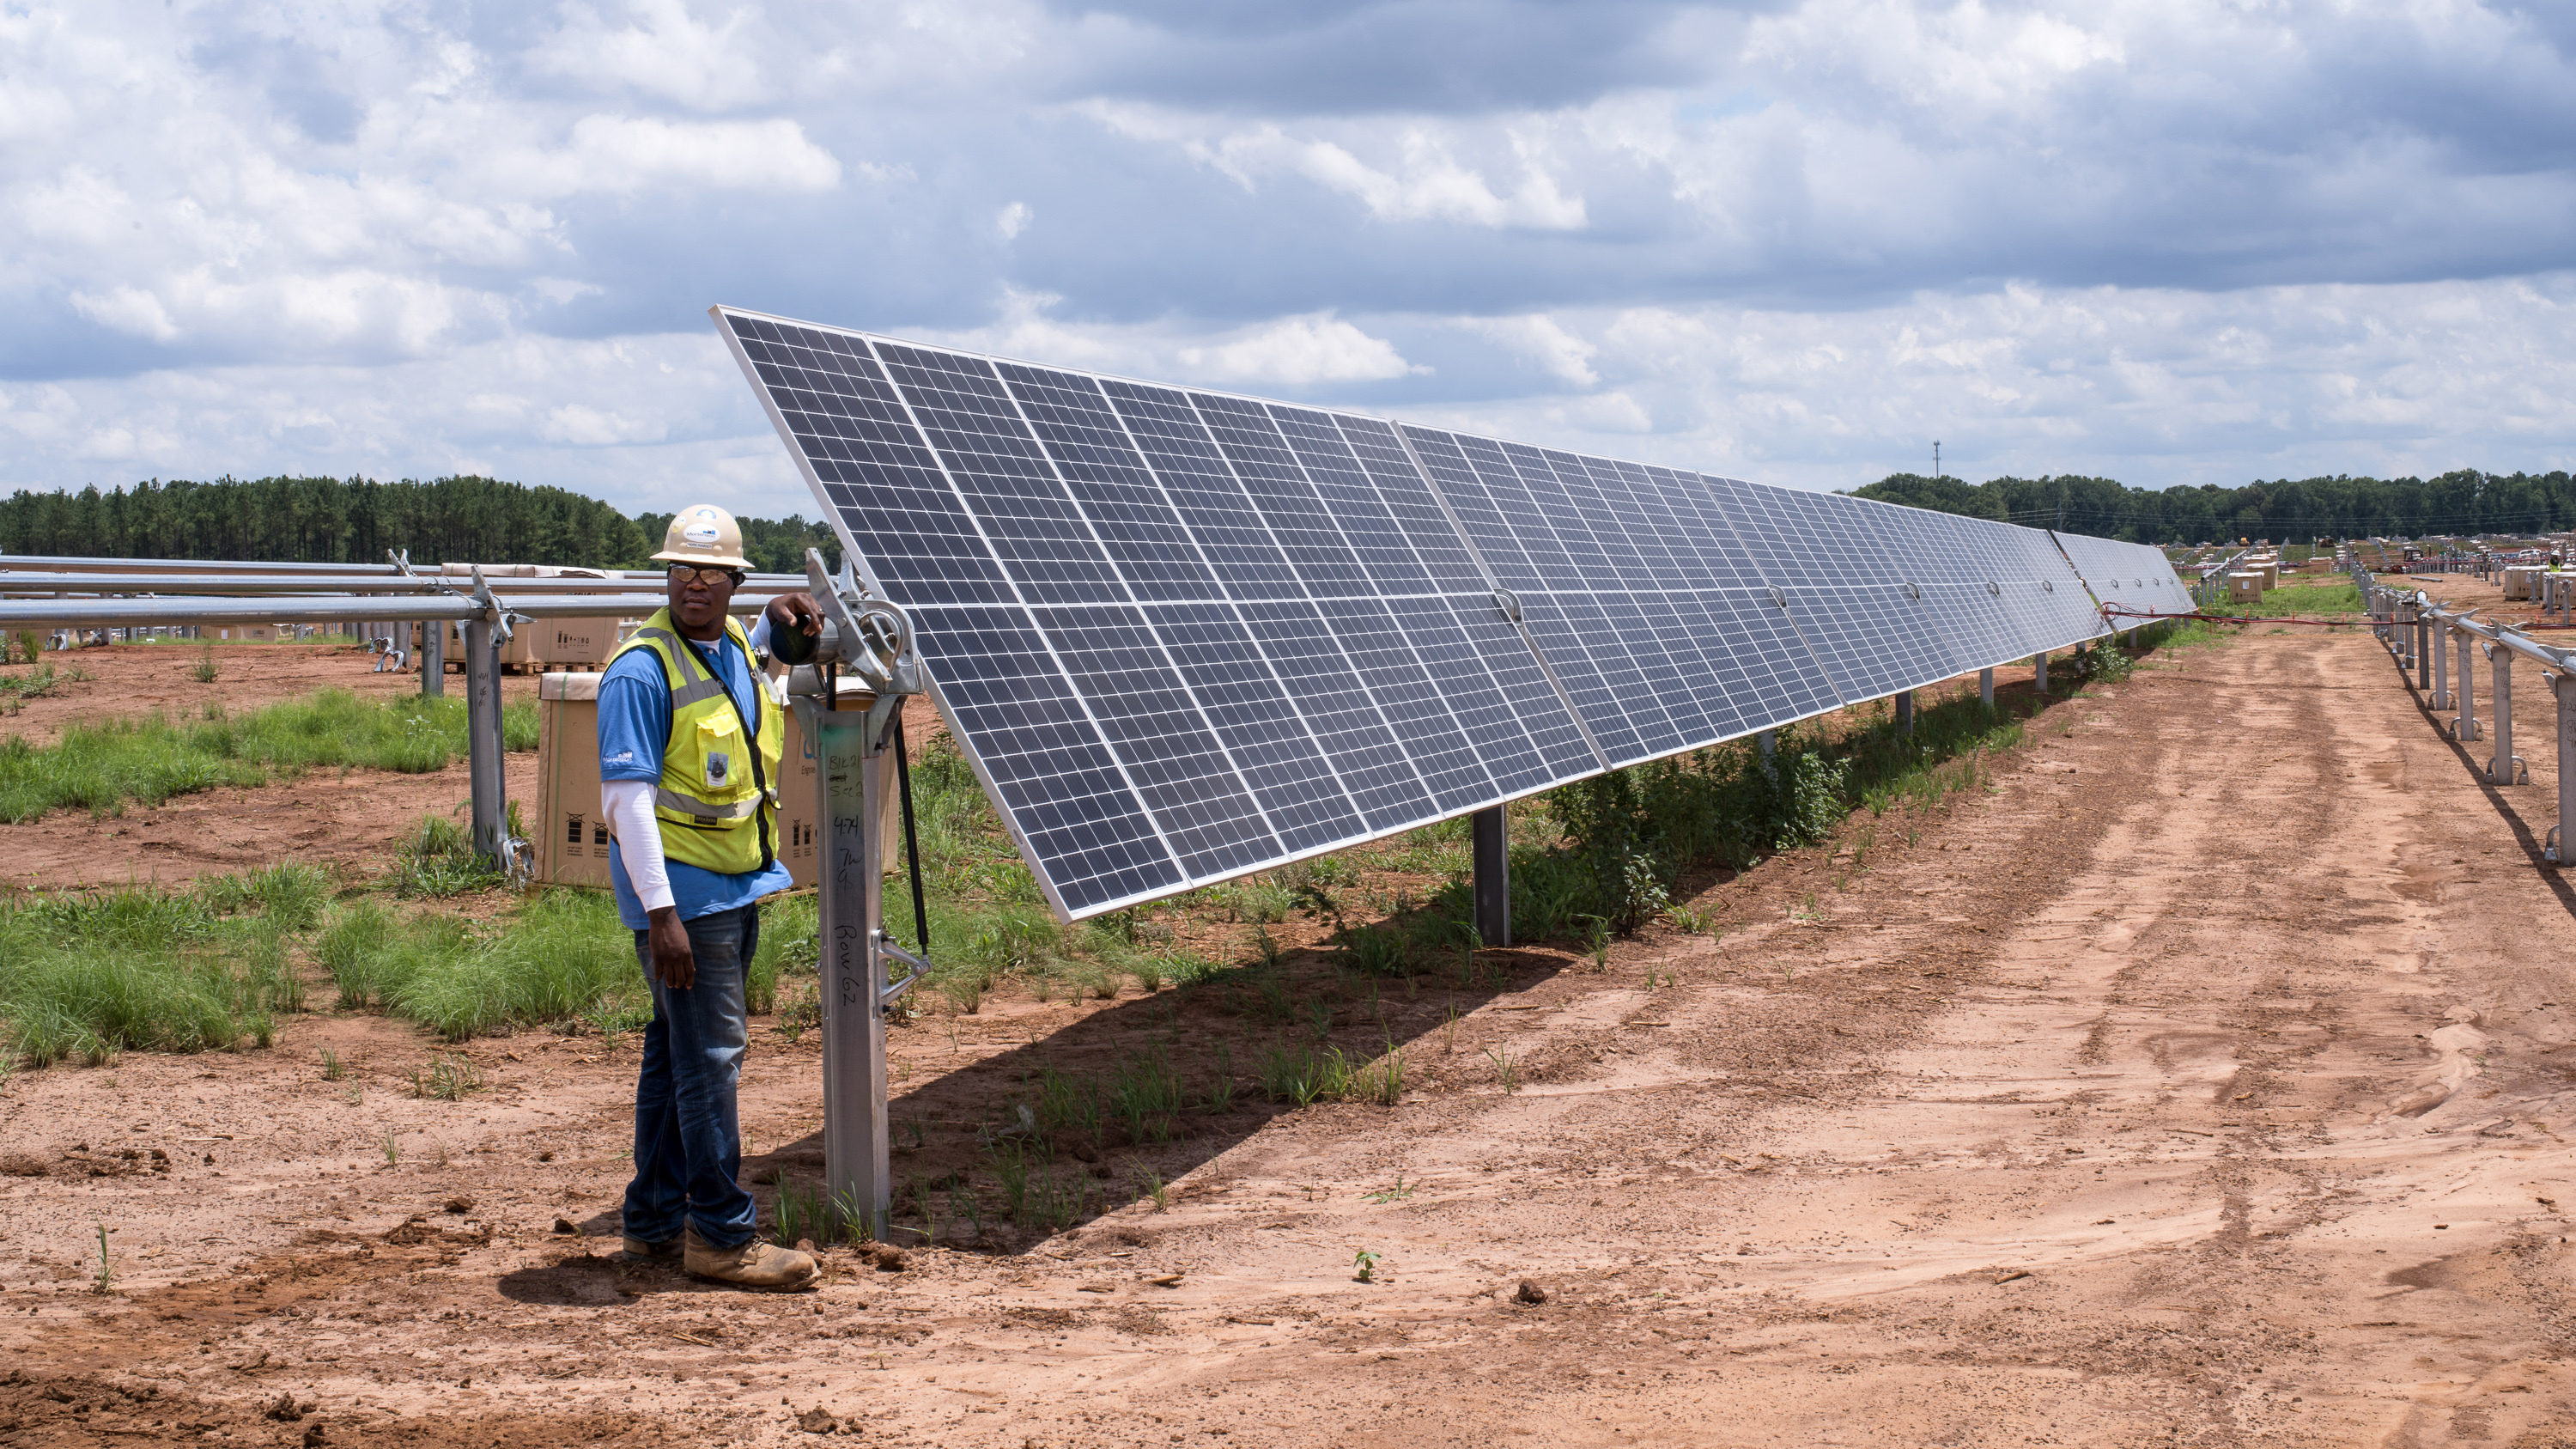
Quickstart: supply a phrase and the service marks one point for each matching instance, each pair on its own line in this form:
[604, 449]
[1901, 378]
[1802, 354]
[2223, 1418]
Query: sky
[2179, 242]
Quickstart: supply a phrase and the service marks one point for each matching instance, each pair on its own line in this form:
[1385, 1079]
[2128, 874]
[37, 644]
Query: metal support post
[483, 742]
[853, 771]
[2441, 652]
[1768, 742]
[2465, 728]
[1905, 712]
[855, 778]
[2039, 672]
[2505, 768]
[2423, 652]
[433, 656]
[2564, 686]
[1986, 688]
[1493, 859]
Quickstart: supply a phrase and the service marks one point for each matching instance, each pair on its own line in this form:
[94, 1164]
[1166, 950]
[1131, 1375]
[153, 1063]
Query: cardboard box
[572, 840]
[252, 633]
[562, 643]
[2245, 588]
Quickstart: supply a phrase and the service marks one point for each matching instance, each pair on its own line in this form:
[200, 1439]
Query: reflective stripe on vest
[716, 802]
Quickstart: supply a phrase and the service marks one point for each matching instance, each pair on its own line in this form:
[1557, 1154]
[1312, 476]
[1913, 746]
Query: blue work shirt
[634, 726]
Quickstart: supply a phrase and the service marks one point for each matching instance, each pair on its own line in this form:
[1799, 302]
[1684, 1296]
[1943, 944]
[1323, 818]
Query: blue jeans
[688, 1136]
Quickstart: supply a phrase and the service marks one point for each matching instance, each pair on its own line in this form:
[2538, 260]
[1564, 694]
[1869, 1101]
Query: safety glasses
[687, 573]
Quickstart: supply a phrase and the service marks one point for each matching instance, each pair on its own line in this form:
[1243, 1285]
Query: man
[689, 743]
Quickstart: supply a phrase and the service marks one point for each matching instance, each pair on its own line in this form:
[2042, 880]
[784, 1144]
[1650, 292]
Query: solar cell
[1182, 635]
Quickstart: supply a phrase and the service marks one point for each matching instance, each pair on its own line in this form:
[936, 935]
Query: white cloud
[2170, 240]
[1412, 173]
[1298, 352]
[666, 51]
[630, 153]
[128, 309]
[1538, 337]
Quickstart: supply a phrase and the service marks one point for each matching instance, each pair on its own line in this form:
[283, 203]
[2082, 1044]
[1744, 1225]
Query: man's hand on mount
[674, 963]
[795, 611]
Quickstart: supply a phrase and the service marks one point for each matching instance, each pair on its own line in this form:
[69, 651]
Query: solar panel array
[2131, 578]
[1182, 635]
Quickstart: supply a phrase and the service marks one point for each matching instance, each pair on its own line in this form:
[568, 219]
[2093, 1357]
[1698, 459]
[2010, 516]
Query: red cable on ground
[2116, 611]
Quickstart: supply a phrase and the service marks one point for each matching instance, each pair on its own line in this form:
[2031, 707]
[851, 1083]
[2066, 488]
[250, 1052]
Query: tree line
[2465, 502]
[463, 519]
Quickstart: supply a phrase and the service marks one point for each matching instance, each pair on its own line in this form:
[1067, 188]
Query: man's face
[698, 598]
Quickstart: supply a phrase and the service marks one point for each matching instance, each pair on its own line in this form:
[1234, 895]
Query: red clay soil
[126, 680]
[2206, 1082]
[347, 822]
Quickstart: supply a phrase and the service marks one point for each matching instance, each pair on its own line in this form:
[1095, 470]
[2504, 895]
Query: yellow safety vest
[717, 800]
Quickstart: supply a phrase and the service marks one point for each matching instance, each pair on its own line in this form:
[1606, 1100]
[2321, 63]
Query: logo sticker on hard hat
[703, 531]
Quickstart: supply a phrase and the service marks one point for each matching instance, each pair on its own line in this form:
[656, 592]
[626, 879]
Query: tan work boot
[665, 1255]
[755, 1264]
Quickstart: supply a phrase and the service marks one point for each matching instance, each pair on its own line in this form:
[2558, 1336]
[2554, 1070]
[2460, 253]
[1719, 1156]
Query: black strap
[911, 846]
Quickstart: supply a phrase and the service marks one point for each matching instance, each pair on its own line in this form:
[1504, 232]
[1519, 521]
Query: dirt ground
[137, 679]
[348, 822]
[2209, 1081]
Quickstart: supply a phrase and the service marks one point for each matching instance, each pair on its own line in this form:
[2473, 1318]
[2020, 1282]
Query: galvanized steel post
[2563, 685]
[2465, 728]
[2441, 653]
[1905, 711]
[853, 770]
[2039, 672]
[1492, 840]
[1986, 688]
[433, 656]
[483, 742]
[2500, 769]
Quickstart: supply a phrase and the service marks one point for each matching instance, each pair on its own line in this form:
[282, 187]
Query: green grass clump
[438, 860]
[2337, 594]
[560, 957]
[98, 767]
[85, 975]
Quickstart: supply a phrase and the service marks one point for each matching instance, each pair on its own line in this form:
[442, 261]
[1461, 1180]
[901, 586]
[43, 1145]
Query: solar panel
[1203, 637]
[1948, 568]
[1182, 635]
[2133, 576]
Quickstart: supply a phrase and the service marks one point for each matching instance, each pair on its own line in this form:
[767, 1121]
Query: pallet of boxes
[572, 837]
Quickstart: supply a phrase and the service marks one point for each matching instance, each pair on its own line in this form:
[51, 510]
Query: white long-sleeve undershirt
[628, 807]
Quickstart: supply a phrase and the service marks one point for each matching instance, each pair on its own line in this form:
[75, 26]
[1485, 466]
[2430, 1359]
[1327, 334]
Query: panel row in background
[1184, 635]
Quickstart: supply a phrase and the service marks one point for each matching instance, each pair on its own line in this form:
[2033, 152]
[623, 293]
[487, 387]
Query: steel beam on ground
[1492, 855]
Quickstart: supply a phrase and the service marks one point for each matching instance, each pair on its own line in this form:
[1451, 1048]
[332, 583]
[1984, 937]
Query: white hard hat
[703, 534]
